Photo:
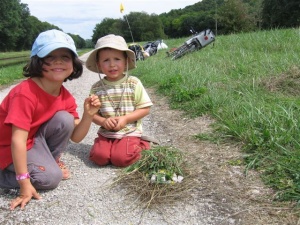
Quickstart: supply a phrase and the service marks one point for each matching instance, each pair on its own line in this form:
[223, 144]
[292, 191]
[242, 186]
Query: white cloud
[81, 16]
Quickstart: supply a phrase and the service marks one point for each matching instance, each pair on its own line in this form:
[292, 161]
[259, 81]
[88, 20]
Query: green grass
[250, 84]
[161, 161]
[13, 58]
[9, 74]
[14, 54]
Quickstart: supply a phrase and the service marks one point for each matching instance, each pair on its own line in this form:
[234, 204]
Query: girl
[38, 117]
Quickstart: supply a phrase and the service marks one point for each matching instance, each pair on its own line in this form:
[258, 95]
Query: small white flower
[179, 179]
[153, 178]
[174, 177]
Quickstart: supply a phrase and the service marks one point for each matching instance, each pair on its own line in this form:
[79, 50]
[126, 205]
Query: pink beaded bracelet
[22, 176]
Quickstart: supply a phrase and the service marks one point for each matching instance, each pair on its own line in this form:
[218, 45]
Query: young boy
[124, 102]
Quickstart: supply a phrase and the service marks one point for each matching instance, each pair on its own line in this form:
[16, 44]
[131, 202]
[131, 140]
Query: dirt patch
[287, 83]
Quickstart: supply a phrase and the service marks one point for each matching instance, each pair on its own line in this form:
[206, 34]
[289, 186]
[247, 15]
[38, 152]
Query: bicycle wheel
[193, 46]
[182, 52]
[171, 54]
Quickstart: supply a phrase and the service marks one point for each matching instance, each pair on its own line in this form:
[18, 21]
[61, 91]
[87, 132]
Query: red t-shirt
[27, 106]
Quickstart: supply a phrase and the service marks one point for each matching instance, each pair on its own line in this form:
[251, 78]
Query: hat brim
[91, 62]
[53, 46]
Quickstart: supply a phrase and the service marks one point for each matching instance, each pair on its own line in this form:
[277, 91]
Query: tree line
[18, 28]
[222, 16]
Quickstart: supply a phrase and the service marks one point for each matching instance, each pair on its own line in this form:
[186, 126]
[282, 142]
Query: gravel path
[87, 198]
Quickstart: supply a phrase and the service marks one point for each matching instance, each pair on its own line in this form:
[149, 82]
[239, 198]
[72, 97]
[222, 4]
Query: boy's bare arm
[137, 114]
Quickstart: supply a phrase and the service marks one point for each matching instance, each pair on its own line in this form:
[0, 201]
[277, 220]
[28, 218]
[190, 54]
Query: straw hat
[110, 41]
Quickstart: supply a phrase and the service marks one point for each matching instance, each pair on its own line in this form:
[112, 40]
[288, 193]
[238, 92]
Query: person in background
[38, 117]
[124, 102]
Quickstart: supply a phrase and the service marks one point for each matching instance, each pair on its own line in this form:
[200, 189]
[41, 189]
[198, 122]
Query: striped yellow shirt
[120, 98]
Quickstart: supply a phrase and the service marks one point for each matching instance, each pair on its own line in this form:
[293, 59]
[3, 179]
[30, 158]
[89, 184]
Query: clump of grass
[160, 160]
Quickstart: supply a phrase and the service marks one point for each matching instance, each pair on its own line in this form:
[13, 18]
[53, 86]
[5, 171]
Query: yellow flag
[121, 8]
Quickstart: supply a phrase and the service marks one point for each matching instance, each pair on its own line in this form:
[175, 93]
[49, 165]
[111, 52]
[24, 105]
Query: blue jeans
[50, 142]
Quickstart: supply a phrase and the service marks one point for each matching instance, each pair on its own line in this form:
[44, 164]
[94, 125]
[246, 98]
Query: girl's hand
[27, 191]
[92, 105]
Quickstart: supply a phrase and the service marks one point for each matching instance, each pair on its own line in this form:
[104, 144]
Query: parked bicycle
[197, 42]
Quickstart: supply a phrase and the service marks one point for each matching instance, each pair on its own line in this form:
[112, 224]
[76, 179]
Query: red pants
[119, 152]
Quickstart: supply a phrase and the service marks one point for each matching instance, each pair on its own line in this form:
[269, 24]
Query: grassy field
[250, 84]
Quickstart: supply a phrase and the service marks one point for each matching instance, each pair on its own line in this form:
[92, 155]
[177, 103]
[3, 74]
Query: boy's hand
[110, 123]
[121, 123]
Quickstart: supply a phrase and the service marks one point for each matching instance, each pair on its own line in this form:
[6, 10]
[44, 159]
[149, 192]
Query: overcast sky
[81, 16]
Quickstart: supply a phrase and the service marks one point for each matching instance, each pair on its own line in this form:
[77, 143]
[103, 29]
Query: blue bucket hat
[51, 40]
